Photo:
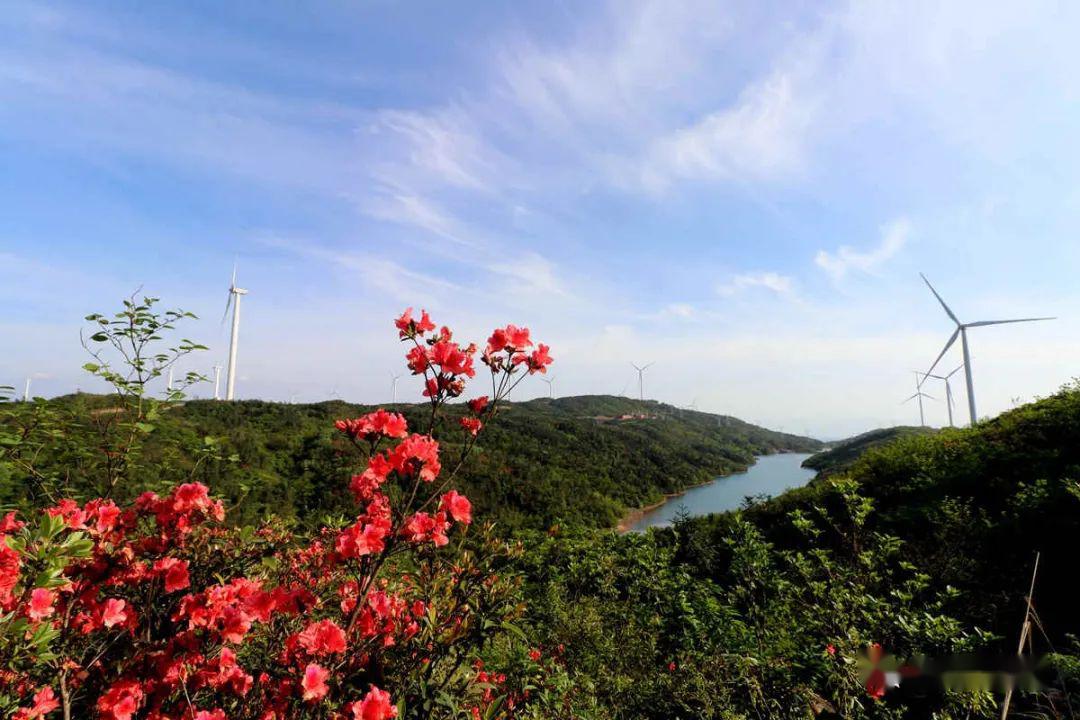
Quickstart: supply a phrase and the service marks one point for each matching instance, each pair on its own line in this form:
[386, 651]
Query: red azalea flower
[376, 705]
[458, 506]
[41, 604]
[314, 683]
[471, 425]
[114, 612]
[175, 571]
[322, 638]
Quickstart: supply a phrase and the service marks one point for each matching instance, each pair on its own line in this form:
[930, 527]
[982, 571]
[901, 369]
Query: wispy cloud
[894, 236]
[775, 282]
[761, 137]
[417, 212]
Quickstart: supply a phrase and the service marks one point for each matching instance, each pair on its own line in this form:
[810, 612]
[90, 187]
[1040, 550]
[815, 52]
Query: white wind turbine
[640, 378]
[26, 391]
[948, 389]
[217, 381]
[920, 395]
[169, 383]
[234, 299]
[551, 386]
[393, 385]
[961, 330]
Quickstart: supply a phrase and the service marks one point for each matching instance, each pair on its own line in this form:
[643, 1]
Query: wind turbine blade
[947, 310]
[909, 399]
[949, 344]
[953, 372]
[228, 304]
[233, 284]
[983, 323]
[929, 397]
[649, 365]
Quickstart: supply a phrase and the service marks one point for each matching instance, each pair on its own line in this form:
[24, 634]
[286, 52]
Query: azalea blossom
[314, 682]
[41, 604]
[376, 705]
[114, 613]
[457, 505]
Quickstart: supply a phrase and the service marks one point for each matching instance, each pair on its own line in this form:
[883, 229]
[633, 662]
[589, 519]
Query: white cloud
[894, 236]
[530, 272]
[760, 137]
[416, 211]
[777, 283]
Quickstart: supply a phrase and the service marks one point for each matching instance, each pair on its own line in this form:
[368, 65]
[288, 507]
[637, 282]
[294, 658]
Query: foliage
[153, 609]
[547, 462]
[842, 455]
[54, 450]
[318, 596]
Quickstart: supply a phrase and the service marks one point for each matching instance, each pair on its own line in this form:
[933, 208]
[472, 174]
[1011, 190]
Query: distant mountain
[841, 456]
[582, 460]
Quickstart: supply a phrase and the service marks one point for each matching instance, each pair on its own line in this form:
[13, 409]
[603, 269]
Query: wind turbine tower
[235, 293]
[393, 386]
[640, 379]
[961, 331]
[26, 391]
[920, 395]
[948, 390]
[217, 381]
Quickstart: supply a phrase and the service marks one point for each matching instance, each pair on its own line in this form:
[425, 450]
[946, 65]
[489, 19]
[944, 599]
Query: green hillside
[579, 460]
[974, 506]
[842, 455]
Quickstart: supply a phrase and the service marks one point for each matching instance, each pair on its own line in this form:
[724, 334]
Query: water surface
[770, 475]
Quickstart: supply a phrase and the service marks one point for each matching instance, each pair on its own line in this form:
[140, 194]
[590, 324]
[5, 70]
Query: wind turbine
[961, 330]
[551, 386]
[640, 378]
[168, 384]
[393, 385]
[948, 389]
[920, 395]
[26, 391]
[217, 380]
[234, 299]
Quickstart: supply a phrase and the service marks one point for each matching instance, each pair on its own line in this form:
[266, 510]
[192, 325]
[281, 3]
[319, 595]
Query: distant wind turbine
[169, 383]
[217, 381]
[920, 395]
[26, 391]
[948, 389]
[234, 299]
[551, 386]
[961, 330]
[393, 385]
[640, 378]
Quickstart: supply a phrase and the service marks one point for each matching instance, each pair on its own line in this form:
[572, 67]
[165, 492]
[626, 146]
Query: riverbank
[768, 476]
[634, 515]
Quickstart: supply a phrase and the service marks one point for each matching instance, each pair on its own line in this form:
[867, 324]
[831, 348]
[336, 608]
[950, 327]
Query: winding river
[770, 475]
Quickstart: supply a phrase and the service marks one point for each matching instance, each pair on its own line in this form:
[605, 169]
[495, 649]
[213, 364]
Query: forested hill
[842, 455]
[974, 506]
[577, 460]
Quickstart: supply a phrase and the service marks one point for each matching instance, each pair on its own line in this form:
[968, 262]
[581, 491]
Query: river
[770, 475]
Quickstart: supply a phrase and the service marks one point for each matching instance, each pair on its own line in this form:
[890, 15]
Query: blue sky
[743, 193]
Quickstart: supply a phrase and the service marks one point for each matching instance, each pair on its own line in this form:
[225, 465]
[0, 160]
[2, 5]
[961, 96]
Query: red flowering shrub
[156, 610]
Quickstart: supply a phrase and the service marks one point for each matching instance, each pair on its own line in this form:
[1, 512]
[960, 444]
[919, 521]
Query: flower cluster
[155, 610]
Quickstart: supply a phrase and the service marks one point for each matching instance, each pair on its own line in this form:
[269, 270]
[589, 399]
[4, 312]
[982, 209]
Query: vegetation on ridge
[840, 456]
[577, 460]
